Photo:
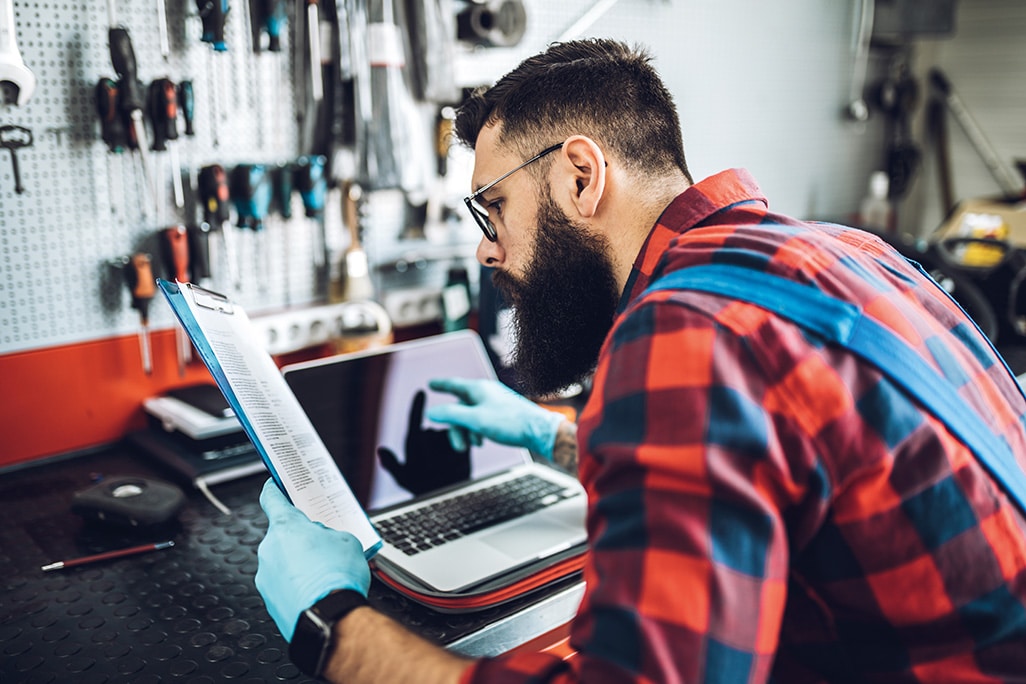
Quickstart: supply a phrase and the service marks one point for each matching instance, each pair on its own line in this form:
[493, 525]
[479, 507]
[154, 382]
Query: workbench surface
[188, 613]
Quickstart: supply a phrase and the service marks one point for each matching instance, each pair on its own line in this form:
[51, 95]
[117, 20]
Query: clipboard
[268, 411]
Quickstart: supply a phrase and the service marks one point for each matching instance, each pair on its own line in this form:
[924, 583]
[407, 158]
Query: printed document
[271, 415]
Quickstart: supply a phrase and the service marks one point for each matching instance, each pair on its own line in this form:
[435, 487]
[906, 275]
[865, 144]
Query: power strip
[290, 331]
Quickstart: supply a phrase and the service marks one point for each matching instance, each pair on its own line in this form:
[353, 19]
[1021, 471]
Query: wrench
[14, 75]
[13, 138]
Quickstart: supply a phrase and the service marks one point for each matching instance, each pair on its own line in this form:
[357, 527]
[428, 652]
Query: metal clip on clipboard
[209, 299]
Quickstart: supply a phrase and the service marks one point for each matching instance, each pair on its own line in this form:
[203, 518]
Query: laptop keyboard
[465, 514]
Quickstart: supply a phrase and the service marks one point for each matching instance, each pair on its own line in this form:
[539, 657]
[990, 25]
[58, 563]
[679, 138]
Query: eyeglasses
[479, 213]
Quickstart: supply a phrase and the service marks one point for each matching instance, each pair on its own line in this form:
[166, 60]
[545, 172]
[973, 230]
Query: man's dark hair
[600, 88]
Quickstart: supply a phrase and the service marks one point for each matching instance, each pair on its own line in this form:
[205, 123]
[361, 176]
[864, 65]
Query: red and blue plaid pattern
[767, 507]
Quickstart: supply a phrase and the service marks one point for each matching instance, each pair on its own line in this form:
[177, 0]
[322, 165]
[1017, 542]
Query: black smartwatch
[311, 642]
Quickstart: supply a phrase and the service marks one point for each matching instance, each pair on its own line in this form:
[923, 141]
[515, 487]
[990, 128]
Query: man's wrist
[314, 638]
[564, 450]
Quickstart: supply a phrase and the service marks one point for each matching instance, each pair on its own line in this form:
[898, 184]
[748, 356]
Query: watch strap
[312, 640]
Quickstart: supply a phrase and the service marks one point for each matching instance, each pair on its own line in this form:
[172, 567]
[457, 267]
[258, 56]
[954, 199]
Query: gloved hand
[432, 461]
[489, 409]
[300, 562]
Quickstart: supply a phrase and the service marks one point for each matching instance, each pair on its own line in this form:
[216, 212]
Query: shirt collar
[687, 210]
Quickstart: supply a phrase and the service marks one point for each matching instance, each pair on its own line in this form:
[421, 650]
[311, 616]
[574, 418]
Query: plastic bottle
[876, 212]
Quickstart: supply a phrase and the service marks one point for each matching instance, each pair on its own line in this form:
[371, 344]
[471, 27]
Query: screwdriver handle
[250, 190]
[282, 181]
[213, 13]
[275, 21]
[113, 130]
[175, 244]
[157, 111]
[122, 57]
[212, 185]
[139, 275]
[199, 251]
[311, 183]
[187, 105]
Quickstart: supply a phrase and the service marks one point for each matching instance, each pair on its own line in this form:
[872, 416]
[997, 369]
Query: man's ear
[586, 180]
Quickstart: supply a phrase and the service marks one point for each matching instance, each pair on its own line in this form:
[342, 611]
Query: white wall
[763, 85]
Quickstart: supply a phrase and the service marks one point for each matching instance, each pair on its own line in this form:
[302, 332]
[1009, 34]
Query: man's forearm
[564, 451]
[371, 647]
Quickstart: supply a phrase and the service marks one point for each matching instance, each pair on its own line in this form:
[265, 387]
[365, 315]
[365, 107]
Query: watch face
[312, 640]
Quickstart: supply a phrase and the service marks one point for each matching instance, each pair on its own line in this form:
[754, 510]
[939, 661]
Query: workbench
[190, 612]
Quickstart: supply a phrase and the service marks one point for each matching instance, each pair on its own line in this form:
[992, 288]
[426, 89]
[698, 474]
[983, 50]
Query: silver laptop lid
[361, 402]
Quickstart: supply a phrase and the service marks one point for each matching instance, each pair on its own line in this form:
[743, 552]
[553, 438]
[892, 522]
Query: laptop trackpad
[530, 541]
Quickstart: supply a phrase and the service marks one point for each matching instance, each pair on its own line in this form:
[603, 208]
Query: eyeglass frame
[480, 216]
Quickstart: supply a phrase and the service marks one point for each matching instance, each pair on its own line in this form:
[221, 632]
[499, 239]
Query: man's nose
[490, 253]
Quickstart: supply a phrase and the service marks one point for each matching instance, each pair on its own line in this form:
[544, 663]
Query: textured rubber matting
[186, 614]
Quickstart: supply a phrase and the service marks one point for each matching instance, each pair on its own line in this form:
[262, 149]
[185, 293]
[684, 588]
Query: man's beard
[563, 306]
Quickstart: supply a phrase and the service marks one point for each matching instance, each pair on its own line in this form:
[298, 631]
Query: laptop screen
[368, 409]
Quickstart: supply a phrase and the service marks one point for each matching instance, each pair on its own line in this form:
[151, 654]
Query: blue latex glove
[489, 409]
[300, 562]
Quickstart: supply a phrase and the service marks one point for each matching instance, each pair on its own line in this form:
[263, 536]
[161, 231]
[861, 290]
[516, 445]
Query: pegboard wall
[84, 210]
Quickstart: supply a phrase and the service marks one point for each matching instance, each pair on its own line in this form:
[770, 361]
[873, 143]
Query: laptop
[450, 521]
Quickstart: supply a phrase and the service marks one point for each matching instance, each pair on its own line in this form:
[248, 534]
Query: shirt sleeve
[687, 571]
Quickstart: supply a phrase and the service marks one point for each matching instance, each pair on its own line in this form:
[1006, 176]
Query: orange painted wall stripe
[75, 397]
[69, 398]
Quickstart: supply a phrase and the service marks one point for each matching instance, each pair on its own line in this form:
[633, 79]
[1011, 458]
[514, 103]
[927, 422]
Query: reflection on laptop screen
[364, 406]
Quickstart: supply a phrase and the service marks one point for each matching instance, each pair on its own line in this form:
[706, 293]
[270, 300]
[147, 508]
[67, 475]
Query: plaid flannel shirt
[763, 507]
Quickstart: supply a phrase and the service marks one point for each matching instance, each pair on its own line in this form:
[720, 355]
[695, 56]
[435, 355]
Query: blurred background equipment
[492, 23]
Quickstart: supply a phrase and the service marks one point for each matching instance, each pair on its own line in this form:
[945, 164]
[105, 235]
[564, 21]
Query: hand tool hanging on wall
[14, 138]
[122, 57]
[165, 42]
[898, 96]
[213, 14]
[267, 17]
[174, 250]
[281, 201]
[212, 187]
[250, 190]
[1007, 178]
[142, 286]
[312, 185]
[17, 82]
[357, 280]
[432, 30]
[112, 129]
[163, 110]
[187, 106]
[313, 38]
[396, 138]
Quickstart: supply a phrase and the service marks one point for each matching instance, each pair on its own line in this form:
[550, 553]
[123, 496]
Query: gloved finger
[458, 439]
[465, 390]
[276, 507]
[416, 412]
[460, 415]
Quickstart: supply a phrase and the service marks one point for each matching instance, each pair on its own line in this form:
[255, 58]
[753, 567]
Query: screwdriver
[174, 248]
[213, 14]
[250, 189]
[313, 186]
[122, 56]
[187, 106]
[163, 111]
[212, 186]
[112, 126]
[313, 32]
[139, 277]
[281, 193]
